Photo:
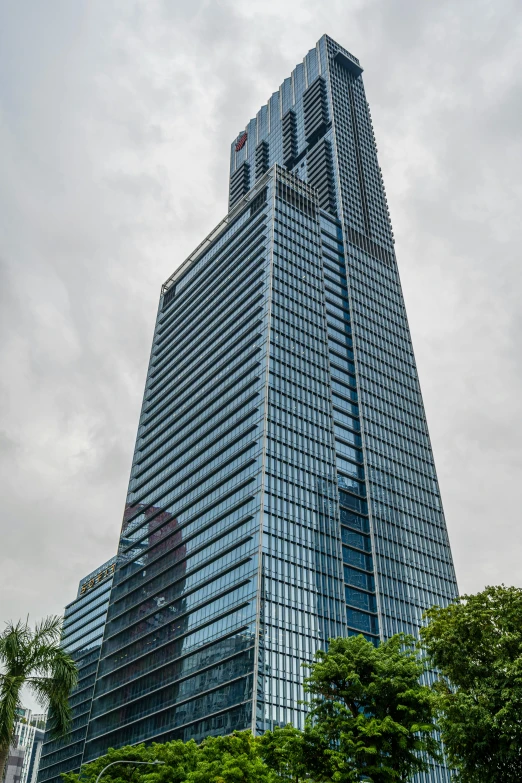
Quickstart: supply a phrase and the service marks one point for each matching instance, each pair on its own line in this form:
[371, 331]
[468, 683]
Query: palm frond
[36, 658]
[45, 641]
[51, 695]
[14, 643]
[42, 658]
[10, 688]
[48, 630]
[54, 692]
[65, 670]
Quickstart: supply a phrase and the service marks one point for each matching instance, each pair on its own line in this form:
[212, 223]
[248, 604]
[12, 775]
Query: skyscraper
[24, 754]
[283, 489]
[82, 634]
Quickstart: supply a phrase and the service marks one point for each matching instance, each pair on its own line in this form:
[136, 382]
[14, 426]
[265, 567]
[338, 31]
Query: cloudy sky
[115, 121]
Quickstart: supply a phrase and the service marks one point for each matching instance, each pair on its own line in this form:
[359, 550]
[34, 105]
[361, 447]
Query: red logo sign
[241, 142]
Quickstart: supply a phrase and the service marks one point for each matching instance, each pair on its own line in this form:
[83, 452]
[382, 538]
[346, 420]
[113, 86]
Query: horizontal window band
[243, 371]
[245, 316]
[242, 414]
[177, 681]
[157, 574]
[241, 286]
[194, 608]
[251, 347]
[168, 732]
[179, 659]
[192, 569]
[251, 229]
[230, 612]
[235, 499]
[234, 404]
[254, 301]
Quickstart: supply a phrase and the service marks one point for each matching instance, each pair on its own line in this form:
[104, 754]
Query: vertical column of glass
[302, 600]
[178, 653]
[355, 528]
[82, 634]
[412, 554]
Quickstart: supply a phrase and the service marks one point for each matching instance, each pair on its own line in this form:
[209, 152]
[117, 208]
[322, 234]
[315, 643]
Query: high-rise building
[14, 764]
[82, 634]
[283, 489]
[24, 754]
[36, 753]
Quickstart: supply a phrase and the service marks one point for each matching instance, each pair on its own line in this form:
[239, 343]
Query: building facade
[24, 756]
[36, 753]
[82, 634]
[14, 764]
[283, 489]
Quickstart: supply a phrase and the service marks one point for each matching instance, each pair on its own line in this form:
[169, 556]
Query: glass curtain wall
[302, 588]
[395, 547]
[82, 634]
[179, 652]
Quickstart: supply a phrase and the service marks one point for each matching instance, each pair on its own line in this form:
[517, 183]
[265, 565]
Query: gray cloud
[115, 121]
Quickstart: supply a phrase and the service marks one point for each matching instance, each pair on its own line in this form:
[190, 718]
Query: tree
[231, 759]
[476, 645]
[34, 659]
[179, 759]
[288, 752]
[370, 718]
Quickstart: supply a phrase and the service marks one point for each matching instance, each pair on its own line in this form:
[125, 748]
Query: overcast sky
[115, 123]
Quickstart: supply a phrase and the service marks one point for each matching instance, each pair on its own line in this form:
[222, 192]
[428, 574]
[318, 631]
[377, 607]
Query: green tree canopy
[34, 658]
[289, 753]
[476, 645]
[230, 759]
[370, 719]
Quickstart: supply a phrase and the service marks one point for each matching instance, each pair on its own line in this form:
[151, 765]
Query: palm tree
[34, 659]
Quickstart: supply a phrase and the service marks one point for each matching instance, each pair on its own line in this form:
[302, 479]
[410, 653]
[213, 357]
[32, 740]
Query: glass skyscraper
[283, 489]
[82, 634]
